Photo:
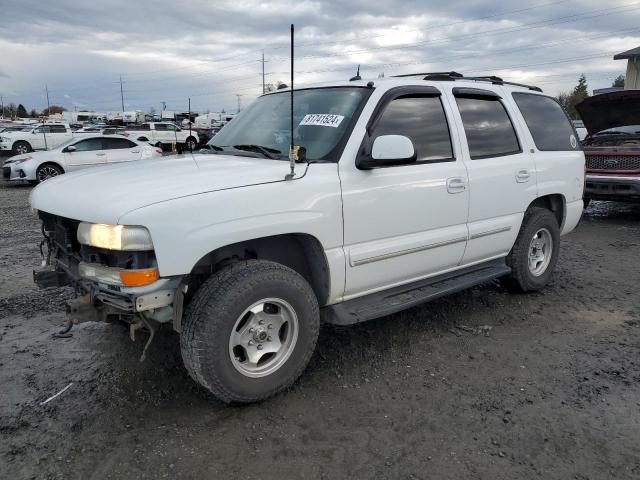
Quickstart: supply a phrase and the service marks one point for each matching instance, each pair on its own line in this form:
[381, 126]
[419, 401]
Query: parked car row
[24, 139]
[76, 154]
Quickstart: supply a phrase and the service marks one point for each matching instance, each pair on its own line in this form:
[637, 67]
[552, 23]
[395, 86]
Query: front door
[88, 153]
[405, 222]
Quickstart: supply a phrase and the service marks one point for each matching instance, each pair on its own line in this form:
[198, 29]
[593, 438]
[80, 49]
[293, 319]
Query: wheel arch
[13, 145]
[556, 203]
[301, 252]
[50, 162]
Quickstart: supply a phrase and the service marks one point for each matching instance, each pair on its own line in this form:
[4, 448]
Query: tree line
[12, 111]
[570, 99]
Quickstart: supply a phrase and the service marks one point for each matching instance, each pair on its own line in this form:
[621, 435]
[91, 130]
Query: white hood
[104, 194]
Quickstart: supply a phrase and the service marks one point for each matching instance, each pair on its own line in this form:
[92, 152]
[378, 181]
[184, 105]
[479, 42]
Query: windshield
[626, 130]
[321, 118]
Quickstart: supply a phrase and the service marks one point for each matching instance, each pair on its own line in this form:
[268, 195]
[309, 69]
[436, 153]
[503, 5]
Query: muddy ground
[482, 384]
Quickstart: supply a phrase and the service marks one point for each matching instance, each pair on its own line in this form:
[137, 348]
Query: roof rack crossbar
[431, 74]
[444, 76]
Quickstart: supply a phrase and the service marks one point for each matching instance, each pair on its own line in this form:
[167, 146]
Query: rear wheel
[191, 144]
[535, 252]
[47, 171]
[21, 147]
[250, 331]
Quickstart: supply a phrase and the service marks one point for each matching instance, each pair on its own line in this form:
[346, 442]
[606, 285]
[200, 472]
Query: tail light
[159, 150]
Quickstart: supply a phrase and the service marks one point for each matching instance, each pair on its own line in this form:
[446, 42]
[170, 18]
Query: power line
[338, 42]
[527, 26]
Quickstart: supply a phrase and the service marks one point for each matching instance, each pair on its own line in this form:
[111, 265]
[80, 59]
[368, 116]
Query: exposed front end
[113, 270]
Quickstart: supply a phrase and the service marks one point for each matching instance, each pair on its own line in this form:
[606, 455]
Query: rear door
[121, 150]
[502, 175]
[162, 134]
[405, 222]
[88, 153]
[58, 135]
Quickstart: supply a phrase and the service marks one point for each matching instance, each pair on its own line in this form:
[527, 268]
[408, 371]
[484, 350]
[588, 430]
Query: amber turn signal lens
[138, 278]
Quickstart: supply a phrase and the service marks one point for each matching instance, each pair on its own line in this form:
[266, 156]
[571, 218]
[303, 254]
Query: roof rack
[443, 75]
[452, 76]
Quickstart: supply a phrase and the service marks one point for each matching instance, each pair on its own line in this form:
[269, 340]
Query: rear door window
[117, 143]
[488, 127]
[547, 122]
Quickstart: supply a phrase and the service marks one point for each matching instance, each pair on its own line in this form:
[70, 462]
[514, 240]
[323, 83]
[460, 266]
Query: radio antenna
[293, 154]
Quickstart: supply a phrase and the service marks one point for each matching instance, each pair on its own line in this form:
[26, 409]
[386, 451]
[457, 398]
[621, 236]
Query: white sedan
[76, 154]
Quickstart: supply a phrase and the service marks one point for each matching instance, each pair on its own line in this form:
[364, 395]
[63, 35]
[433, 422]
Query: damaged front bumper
[160, 301]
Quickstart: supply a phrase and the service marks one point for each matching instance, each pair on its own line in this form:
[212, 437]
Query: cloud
[210, 51]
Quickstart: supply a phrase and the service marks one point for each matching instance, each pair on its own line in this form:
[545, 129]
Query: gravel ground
[482, 384]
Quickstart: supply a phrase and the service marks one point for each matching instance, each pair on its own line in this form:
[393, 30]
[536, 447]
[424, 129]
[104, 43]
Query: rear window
[549, 126]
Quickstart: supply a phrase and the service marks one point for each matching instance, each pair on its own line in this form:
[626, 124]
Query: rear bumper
[613, 187]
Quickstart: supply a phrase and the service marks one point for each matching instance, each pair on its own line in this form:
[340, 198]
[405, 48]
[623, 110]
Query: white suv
[37, 137]
[163, 134]
[411, 188]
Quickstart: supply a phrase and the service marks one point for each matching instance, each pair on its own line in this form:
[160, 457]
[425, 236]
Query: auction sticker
[322, 120]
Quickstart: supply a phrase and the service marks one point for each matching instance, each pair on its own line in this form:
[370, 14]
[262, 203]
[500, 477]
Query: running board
[390, 301]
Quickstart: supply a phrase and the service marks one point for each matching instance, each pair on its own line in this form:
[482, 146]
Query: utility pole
[238, 95]
[46, 89]
[121, 95]
[2, 101]
[263, 92]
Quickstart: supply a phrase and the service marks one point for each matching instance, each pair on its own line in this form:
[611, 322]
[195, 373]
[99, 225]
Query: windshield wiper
[266, 151]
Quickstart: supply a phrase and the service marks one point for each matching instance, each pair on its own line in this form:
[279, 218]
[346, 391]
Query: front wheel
[250, 331]
[535, 252]
[47, 171]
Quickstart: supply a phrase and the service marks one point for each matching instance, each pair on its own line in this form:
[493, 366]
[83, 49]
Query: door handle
[523, 176]
[456, 185]
[135, 151]
[100, 154]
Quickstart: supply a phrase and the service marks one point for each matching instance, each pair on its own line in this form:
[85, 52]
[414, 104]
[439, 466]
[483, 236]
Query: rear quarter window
[549, 125]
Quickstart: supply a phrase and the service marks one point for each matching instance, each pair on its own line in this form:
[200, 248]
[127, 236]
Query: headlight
[114, 237]
[18, 161]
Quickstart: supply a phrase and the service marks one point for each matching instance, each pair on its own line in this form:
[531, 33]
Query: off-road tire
[21, 147]
[212, 313]
[521, 279]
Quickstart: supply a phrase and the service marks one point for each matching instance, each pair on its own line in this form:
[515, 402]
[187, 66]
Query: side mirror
[389, 150]
[70, 149]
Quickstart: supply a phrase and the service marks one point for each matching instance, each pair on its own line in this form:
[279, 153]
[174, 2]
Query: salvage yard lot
[481, 384]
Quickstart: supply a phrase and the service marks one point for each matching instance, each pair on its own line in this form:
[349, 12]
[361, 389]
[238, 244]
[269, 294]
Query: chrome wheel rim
[540, 251]
[263, 337]
[46, 172]
[22, 149]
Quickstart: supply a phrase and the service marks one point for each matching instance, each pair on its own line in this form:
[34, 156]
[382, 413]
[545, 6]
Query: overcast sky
[211, 50]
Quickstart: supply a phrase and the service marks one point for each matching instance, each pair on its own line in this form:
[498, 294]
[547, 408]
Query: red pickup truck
[612, 146]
